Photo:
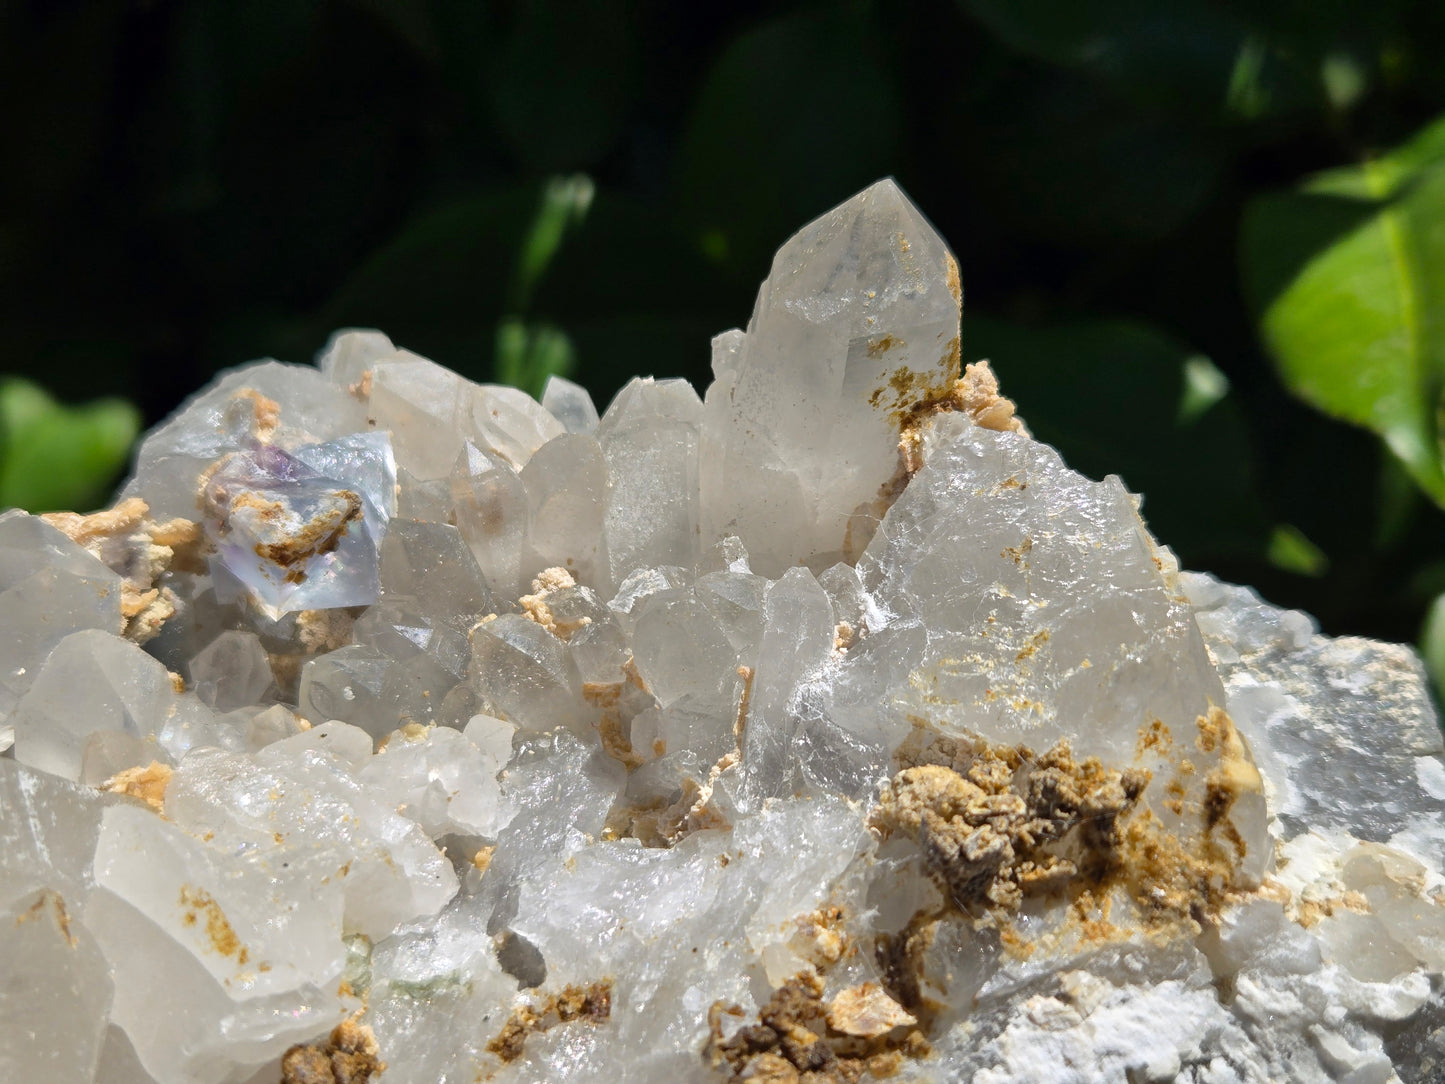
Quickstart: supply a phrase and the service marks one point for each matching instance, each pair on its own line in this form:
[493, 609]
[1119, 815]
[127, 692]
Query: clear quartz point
[857, 321]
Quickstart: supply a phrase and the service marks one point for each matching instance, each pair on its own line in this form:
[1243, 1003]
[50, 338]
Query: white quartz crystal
[96, 683]
[858, 321]
[824, 728]
[55, 992]
[42, 571]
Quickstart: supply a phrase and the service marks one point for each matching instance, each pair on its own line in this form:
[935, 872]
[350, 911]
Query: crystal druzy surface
[827, 727]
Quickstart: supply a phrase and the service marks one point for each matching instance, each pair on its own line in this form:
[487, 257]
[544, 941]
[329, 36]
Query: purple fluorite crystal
[302, 530]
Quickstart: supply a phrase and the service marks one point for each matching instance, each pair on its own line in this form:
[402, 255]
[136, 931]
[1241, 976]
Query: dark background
[187, 186]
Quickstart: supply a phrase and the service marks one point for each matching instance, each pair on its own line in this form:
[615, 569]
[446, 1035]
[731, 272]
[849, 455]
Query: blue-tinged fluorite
[302, 530]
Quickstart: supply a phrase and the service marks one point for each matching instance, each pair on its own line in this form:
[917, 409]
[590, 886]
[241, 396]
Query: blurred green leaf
[1432, 643]
[54, 456]
[1290, 551]
[440, 284]
[796, 114]
[636, 296]
[1069, 160]
[1398, 504]
[526, 356]
[1186, 53]
[1121, 398]
[1246, 95]
[1343, 78]
[1348, 274]
[562, 77]
[1204, 386]
[565, 201]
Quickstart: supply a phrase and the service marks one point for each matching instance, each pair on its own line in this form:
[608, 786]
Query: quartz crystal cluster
[826, 728]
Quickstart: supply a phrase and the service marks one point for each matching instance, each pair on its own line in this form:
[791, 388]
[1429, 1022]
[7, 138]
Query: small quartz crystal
[825, 727]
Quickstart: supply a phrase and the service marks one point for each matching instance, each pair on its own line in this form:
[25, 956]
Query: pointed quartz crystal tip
[857, 323]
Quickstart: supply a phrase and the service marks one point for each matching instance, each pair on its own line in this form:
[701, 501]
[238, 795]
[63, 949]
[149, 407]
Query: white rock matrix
[828, 728]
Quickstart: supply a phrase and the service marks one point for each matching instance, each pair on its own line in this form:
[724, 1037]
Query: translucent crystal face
[42, 571]
[858, 323]
[825, 727]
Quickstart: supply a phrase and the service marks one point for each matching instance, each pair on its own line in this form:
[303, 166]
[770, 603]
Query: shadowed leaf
[1120, 398]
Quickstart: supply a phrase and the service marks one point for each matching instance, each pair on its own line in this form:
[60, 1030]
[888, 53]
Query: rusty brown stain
[1019, 554]
[590, 1004]
[198, 903]
[1036, 641]
[1177, 879]
[265, 412]
[794, 1040]
[881, 345]
[1154, 737]
[350, 1055]
[53, 901]
[318, 536]
[907, 394]
[952, 279]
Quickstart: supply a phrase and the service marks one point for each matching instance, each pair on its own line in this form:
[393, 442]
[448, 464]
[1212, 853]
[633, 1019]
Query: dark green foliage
[1181, 225]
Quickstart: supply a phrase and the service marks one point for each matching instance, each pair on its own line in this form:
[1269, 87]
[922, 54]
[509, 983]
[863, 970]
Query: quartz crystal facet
[823, 728]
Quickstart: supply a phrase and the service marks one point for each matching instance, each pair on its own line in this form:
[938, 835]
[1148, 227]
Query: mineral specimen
[395, 728]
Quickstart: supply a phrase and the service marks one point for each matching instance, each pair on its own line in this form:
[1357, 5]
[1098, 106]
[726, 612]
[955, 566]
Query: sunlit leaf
[1348, 274]
[54, 456]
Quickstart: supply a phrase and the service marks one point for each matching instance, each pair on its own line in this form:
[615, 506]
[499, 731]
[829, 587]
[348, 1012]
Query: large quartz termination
[398, 729]
[857, 325]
